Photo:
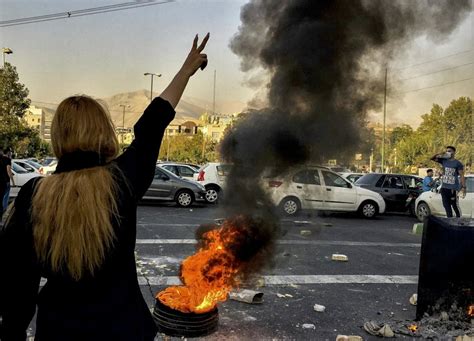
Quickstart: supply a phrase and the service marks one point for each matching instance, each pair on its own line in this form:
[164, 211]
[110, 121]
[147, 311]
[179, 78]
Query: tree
[13, 95]
[14, 101]
[184, 148]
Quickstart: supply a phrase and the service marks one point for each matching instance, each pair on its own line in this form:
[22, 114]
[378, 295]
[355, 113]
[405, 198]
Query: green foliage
[13, 95]
[184, 148]
[14, 133]
[439, 128]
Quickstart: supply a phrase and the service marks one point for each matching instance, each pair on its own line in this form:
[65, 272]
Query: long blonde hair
[73, 211]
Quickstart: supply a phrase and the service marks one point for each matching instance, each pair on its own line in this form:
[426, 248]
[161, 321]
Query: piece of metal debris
[247, 296]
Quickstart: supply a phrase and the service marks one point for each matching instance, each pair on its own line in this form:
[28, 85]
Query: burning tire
[423, 211]
[290, 206]
[176, 323]
[369, 209]
[184, 198]
[212, 194]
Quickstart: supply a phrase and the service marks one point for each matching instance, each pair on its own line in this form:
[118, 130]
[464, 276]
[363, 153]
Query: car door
[467, 202]
[307, 185]
[161, 186]
[339, 193]
[394, 193]
[186, 172]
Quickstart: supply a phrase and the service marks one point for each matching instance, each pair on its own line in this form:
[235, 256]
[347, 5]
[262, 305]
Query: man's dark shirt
[4, 162]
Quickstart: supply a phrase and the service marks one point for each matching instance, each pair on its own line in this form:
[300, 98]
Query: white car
[352, 177]
[430, 203]
[181, 170]
[319, 188]
[49, 166]
[21, 176]
[30, 166]
[213, 176]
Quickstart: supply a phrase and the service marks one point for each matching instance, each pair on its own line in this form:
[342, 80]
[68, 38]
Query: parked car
[398, 190]
[322, 189]
[196, 167]
[167, 186]
[212, 176]
[30, 166]
[352, 177]
[181, 170]
[22, 176]
[49, 166]
[430, 203]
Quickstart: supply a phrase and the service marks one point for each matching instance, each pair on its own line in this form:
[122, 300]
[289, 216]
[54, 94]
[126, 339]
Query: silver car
[166, 186]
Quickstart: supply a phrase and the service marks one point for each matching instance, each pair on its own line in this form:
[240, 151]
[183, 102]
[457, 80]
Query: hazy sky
[105, 54]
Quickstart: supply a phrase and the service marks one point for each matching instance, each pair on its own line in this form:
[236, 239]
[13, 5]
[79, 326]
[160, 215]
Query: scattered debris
[418, 228]
[349, 338]
[339, 257]
[284, 295]
[308, 326]
[444, 316]
[327, 224]
[305, 232]
[373, 328]
[247, 296]
[414, 299]
[319, 308]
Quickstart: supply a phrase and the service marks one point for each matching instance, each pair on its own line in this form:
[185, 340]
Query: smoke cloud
[324, 61]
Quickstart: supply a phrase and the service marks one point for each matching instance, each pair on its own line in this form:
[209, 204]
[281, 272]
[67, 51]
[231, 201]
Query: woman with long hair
[77, 227]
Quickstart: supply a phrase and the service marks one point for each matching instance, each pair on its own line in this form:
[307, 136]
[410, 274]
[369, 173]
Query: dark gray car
[168, 187]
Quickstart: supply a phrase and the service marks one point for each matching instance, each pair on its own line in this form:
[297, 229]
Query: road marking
[297, 279]
[288, 242]
[303, 279]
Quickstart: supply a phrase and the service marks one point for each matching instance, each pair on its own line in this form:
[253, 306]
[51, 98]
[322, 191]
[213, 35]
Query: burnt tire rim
[185, 199]
[369, 210]
[290, 206]
[423, 211]
[211, 195]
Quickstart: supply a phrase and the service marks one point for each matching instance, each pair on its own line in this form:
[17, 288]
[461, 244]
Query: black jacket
[106, 306]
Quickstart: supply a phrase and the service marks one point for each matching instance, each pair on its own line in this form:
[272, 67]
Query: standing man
[428, 181]
[8, 162]
[452, 170]
[4, 179]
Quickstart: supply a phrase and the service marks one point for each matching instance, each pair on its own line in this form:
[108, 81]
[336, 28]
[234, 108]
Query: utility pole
[123, 119]
[214, 95]
[384, 122]
[6, 50]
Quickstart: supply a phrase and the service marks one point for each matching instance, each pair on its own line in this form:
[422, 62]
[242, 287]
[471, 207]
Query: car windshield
[34, 164]
[17, 169]
[368, 179]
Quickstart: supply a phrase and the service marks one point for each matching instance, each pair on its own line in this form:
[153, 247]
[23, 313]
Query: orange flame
[413, 328]
[470, 310]
[208, 275]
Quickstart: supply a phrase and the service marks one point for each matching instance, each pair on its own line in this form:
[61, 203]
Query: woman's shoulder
[27, 190]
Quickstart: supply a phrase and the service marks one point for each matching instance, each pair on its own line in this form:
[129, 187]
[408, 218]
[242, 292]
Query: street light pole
[6, 50]
[151, 89]
[123, 119]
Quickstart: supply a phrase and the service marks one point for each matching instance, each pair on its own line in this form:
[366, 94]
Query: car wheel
[290, 206]
[423, 211]
[369, 209]
[212, 194]
[184, 198]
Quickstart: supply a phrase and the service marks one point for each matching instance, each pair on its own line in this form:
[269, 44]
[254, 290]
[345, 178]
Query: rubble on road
[319, 308]
[414, 299]
[247, 296]
[308, 326]
[373, 328]
[349, 338]
[305, 232]
[339, 257]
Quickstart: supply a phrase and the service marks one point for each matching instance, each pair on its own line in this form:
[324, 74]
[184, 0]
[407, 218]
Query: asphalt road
[375, 284]
[362, 289]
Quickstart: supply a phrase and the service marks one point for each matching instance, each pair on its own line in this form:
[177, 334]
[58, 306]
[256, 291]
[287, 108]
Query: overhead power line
[433, 60]
[434, 72]
[81, 12]
[434, 86]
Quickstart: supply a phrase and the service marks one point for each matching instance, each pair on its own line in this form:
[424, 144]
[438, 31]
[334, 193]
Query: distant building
[183, 126]
[40, 119]
[214, 126]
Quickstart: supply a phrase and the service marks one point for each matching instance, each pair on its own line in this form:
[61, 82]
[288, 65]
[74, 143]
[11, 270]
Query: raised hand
[196, 59]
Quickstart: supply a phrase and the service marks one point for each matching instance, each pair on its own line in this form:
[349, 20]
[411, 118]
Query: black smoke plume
[324, 62]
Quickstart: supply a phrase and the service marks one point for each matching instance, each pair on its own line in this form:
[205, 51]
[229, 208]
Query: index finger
[204, 42]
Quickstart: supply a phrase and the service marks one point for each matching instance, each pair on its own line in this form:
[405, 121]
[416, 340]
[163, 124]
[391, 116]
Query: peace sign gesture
[196, 59]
